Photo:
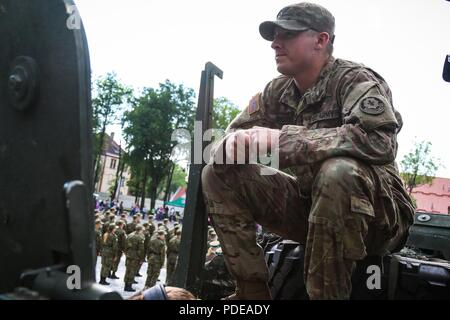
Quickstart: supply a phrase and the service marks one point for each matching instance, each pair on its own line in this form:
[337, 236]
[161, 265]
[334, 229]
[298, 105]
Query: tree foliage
[109, 99]
[156, 113]
[224, 111]
[419, 166]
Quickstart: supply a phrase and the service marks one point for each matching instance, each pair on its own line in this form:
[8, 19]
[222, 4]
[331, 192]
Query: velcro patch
[325, 115]
[253, 105]
[372, 106]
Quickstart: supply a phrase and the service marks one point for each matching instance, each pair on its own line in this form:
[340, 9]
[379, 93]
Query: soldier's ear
[322, 40]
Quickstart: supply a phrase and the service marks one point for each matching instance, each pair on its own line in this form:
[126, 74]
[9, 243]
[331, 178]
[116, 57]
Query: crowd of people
[138, 241]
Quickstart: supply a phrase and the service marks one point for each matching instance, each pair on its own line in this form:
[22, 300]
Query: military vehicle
[46, 205]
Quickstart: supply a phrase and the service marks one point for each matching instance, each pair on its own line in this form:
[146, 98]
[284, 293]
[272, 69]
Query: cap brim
[267, 28]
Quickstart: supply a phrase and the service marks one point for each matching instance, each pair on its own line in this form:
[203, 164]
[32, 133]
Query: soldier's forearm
[299, 146]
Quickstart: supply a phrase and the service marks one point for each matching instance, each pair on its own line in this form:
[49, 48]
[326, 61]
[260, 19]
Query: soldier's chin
[284, 70]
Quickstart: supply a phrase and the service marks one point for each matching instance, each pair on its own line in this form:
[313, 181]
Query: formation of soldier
[138, 243]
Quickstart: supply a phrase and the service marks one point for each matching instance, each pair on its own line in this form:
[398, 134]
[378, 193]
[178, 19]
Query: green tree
[178, 179]
[109, 98]
[156, 113]
[224, 111]
[418, 166]
[174, 179]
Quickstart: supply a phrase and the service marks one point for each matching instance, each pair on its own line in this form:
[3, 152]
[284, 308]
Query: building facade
[433, 198]
[109, 166]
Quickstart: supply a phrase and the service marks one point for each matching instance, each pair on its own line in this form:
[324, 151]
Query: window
[113, 164]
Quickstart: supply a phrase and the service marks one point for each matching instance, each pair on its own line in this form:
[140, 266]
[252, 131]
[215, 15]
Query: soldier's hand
[244, 146]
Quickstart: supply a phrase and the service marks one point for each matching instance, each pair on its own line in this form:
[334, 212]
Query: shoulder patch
[253, 105]
[372, 106]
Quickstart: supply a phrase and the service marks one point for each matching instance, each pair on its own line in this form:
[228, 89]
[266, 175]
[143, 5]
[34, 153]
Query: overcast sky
[148, 41]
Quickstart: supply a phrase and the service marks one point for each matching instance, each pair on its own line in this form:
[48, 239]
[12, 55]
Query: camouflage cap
[139, 228]
[161, 233]
[150, 217]
[145, 224]
[300, 17]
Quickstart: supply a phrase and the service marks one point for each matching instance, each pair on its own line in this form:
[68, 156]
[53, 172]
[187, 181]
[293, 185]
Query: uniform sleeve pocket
[356, 228]
[361, 205]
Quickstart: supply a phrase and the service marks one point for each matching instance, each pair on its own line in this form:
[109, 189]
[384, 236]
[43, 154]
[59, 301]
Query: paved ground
[118, 284]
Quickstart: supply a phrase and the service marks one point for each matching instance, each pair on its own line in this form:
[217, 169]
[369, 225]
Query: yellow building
[109, 166]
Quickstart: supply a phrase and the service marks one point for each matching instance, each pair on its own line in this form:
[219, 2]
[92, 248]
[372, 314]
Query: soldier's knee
[337, 171]
[209, 175]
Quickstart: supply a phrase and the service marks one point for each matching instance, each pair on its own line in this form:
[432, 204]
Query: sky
[148, 41]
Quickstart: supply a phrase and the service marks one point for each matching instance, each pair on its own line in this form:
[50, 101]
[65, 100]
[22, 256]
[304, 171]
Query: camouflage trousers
[107, 265]
[153, 271]
[339, 222]
[117, 261]
[170, 268]
[131, 268]
[139, 267]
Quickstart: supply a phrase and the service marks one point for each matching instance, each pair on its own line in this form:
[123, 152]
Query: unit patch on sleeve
[372, 105]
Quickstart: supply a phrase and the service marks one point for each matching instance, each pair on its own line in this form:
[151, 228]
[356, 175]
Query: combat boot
[250, 290]
[134, 282]
[113, 276]
[129, 288]
[138, 275]
[103, 281]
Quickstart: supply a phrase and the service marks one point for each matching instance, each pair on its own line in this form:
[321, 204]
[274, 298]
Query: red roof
[435, 197]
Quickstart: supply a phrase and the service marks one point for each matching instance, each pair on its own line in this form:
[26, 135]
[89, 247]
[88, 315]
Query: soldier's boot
[103, 281]
[250, 290]
[135, 282]
[138, 274]
[129, 288]
[113, 276]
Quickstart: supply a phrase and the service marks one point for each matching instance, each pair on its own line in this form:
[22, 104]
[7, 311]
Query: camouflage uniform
[156, 254]
[135, 253]
[98, 238]
[151, 228]
[344, 199]
[172, 258]
[105, 227]
[131, 227]
[109, 249]
[142, 235]
[121, 242]
[98, 241]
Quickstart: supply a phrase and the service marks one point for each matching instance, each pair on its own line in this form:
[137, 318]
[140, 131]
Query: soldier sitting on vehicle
[332, 123]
